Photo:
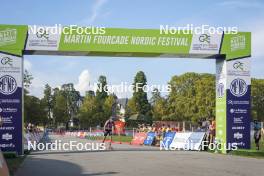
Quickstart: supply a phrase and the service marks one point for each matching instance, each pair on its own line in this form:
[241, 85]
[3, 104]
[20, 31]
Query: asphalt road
[127, 160]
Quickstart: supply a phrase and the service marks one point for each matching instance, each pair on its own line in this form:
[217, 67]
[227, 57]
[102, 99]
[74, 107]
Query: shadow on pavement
[48, 167]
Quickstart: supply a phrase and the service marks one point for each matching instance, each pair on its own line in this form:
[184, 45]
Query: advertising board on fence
[166, 142]
[150, 138]
[139, 138]
[187, 141]
[180, 141]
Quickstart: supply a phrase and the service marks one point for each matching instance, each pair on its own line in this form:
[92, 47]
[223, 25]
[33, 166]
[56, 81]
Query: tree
[47, 100]
[72, 97]
[27, 80]
[205, 97]
[60, 111]
[139, 102]
[257, 95]
[34, 111]
[109, 106]
[101, 92]
[87, 111]
[181, 99]
[159, 108]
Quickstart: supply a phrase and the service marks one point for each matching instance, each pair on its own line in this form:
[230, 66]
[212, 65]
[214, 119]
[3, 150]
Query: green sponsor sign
[236, 45]
[127, 41]
[13, 38]
[221, 121]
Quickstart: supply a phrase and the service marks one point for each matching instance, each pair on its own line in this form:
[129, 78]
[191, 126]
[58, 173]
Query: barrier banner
[166, 142]
[188, 141]
[150, 138]
[3, 167]
[181, 141]
[11, 88]
[195, 140]
[139, 138]
[119, 127]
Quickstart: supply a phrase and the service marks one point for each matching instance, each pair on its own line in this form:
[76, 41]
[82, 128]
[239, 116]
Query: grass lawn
[115, 138]
[251, 152]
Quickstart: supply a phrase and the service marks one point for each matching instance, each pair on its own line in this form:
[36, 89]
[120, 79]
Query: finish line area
[232, 85]
[127, 159]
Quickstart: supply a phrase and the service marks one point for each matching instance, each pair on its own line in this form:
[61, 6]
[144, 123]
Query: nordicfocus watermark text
[192, 29]
[58, 145]
[124, 87]
[204, 146]
[59, 29]
[164, 29]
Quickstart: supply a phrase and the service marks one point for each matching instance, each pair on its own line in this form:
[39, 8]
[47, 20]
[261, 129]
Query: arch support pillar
[233, 91]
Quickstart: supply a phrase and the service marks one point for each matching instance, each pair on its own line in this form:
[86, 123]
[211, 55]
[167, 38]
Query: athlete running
[108, 128]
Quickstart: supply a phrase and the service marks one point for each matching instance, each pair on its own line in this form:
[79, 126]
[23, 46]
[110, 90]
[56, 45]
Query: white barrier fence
[188, 140]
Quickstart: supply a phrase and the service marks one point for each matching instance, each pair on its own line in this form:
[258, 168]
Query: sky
[57, 70]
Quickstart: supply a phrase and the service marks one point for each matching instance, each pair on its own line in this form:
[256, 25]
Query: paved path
[127, 160]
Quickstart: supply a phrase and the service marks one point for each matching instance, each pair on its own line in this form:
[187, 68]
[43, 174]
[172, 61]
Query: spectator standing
[257, 133]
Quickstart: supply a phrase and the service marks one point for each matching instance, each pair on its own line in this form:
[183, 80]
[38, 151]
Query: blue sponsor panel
[150, 138]
[11, 114]
[169, 136]
[11, 132]
[238, 113]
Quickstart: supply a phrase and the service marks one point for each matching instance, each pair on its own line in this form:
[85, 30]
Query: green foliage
[101, 93]
[181, 100]
[192, 98]
[34, 110]
[139, 104]
[87, 110]
[257, 95]
[60, 111]
[159, 105]
[47, 100]
[27, 79]
[95, 110]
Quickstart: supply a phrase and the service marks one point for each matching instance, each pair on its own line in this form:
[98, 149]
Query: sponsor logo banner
[236, 45]
[8, 36]
[169, 136]
[150, 138]
[11, 103]
[139, 138]
[42, 38]
[238, 102]
[188, 141]
[206, 44]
